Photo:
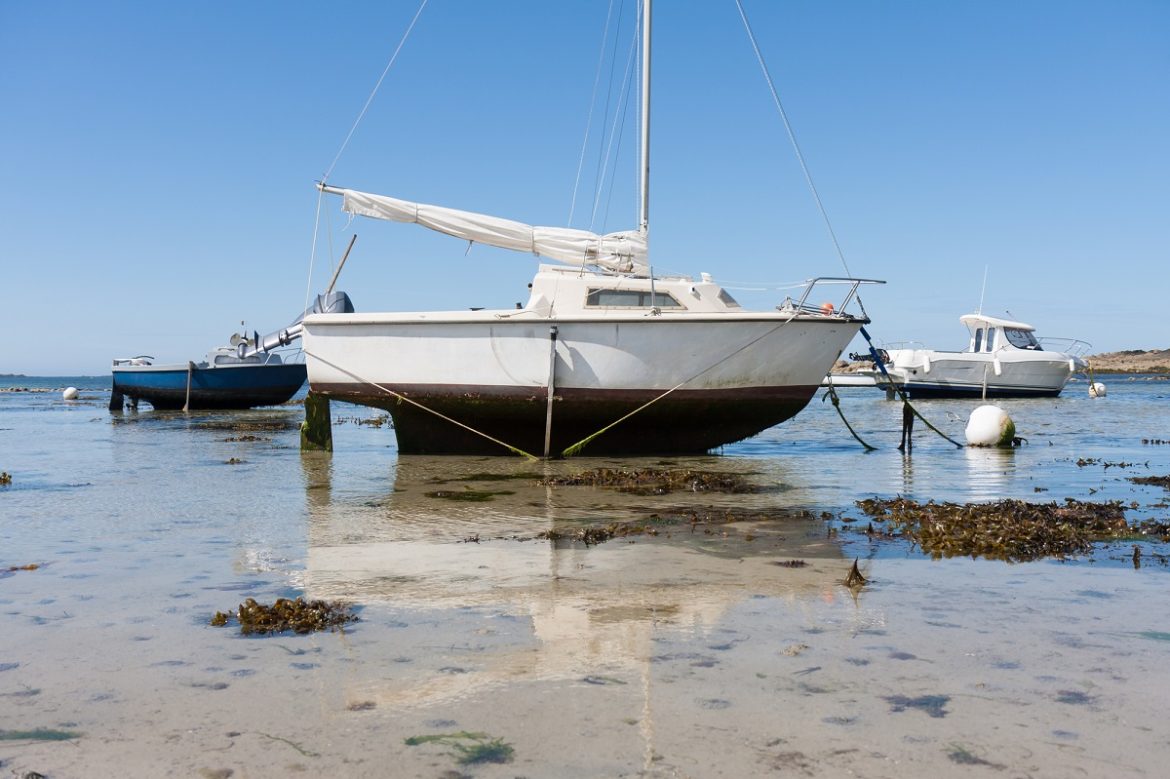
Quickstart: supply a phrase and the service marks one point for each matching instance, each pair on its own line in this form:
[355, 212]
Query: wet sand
[702, 650]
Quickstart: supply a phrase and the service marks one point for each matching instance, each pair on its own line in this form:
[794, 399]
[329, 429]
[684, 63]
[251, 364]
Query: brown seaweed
[299, 616]
[655, 481]
[1012, 530]
[1156, 481]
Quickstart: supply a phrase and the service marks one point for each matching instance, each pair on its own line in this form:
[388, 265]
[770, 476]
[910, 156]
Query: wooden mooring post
[317, 429]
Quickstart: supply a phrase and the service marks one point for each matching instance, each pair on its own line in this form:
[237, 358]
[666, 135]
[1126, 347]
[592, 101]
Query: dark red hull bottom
[683, 422]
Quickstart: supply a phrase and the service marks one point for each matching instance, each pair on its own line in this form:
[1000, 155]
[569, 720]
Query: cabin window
[727, 299]
[978, 340]
[1021, 339]
[990, 338]
[629, 298]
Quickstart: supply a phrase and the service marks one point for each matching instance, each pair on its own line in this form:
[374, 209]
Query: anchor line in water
[832, 393]
[900, 391]
[440, 415]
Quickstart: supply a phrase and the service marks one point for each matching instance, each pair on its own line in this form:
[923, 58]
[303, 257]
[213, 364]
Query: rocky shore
[1132, 361]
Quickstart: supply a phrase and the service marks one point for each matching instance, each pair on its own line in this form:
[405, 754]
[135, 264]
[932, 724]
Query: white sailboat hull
[713, 380]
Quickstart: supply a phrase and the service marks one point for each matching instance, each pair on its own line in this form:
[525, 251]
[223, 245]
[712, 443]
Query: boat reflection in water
[455, 539]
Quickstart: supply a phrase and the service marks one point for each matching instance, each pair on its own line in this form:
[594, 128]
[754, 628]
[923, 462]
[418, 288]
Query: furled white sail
[622, 252]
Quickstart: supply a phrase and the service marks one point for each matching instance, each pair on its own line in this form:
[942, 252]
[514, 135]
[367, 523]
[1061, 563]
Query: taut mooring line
[440, 415]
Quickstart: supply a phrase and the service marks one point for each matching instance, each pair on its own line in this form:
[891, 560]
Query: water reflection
[990, 472]
[450, 535]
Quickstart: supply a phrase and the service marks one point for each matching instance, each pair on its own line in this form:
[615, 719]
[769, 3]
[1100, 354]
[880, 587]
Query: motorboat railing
[826, 308]
[229, 356]
[1071, 346]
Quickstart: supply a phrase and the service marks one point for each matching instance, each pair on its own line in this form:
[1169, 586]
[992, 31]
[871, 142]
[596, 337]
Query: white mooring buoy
[990, 426]
[70, 393]
[1096, 390]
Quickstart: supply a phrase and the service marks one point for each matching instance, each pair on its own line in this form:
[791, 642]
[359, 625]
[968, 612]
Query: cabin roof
[973, 321]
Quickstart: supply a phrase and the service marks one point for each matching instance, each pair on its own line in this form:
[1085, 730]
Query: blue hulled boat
[224, 380]
[246, 374]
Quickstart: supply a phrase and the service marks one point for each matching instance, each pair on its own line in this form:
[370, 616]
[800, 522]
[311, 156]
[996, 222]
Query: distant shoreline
[1131, 361]
[1123, 362]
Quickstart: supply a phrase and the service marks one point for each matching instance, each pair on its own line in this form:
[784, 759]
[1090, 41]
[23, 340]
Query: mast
[644, 214]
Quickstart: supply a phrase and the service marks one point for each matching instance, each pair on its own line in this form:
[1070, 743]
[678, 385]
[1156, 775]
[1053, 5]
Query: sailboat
[604, 358]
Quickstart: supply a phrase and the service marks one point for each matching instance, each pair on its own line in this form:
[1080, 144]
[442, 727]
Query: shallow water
[686, 653]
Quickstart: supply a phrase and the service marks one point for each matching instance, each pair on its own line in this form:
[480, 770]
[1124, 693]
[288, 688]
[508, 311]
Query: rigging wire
[597, 173]
[313, 249]
[589, 119]
[618, 115]
[792, 138]
[345, 143]
[828, 223]
[617, 154]
[374, 92]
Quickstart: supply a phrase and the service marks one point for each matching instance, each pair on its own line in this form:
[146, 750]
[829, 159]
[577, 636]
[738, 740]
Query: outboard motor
[329, 303]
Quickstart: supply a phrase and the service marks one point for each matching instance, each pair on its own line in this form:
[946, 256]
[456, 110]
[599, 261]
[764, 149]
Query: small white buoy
[70, 393]
[1096, 390]
[990, 426]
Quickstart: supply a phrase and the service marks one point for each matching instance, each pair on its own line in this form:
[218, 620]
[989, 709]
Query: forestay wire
[361, 115]
[374, 91]
[828, 226]
[792, 137]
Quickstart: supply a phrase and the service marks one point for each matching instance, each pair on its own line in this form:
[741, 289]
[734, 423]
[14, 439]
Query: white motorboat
[604, 354]
[1003, 359]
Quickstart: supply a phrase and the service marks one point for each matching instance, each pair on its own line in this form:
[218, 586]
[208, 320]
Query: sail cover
[622, 252]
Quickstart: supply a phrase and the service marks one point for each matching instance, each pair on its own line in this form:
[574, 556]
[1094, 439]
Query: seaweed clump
[655, 481]
[470, 748]
[299, 616]
[592, 535]
[1011, 530]
[1156, 481]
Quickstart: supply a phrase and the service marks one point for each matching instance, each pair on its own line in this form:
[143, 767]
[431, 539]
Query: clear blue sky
[159, 160]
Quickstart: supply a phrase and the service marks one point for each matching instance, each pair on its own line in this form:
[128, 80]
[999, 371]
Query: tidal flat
[496, 636]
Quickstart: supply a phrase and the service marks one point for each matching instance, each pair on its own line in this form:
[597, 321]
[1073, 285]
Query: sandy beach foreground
[484, 649]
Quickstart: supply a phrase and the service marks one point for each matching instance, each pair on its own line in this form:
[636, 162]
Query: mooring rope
[902, 393]
[412, 402]
[577, 447]
[832, 393]
[1092, 381]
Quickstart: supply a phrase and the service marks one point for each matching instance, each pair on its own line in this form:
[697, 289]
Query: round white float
[990, 426]
[1096, 390]
[70, 393]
